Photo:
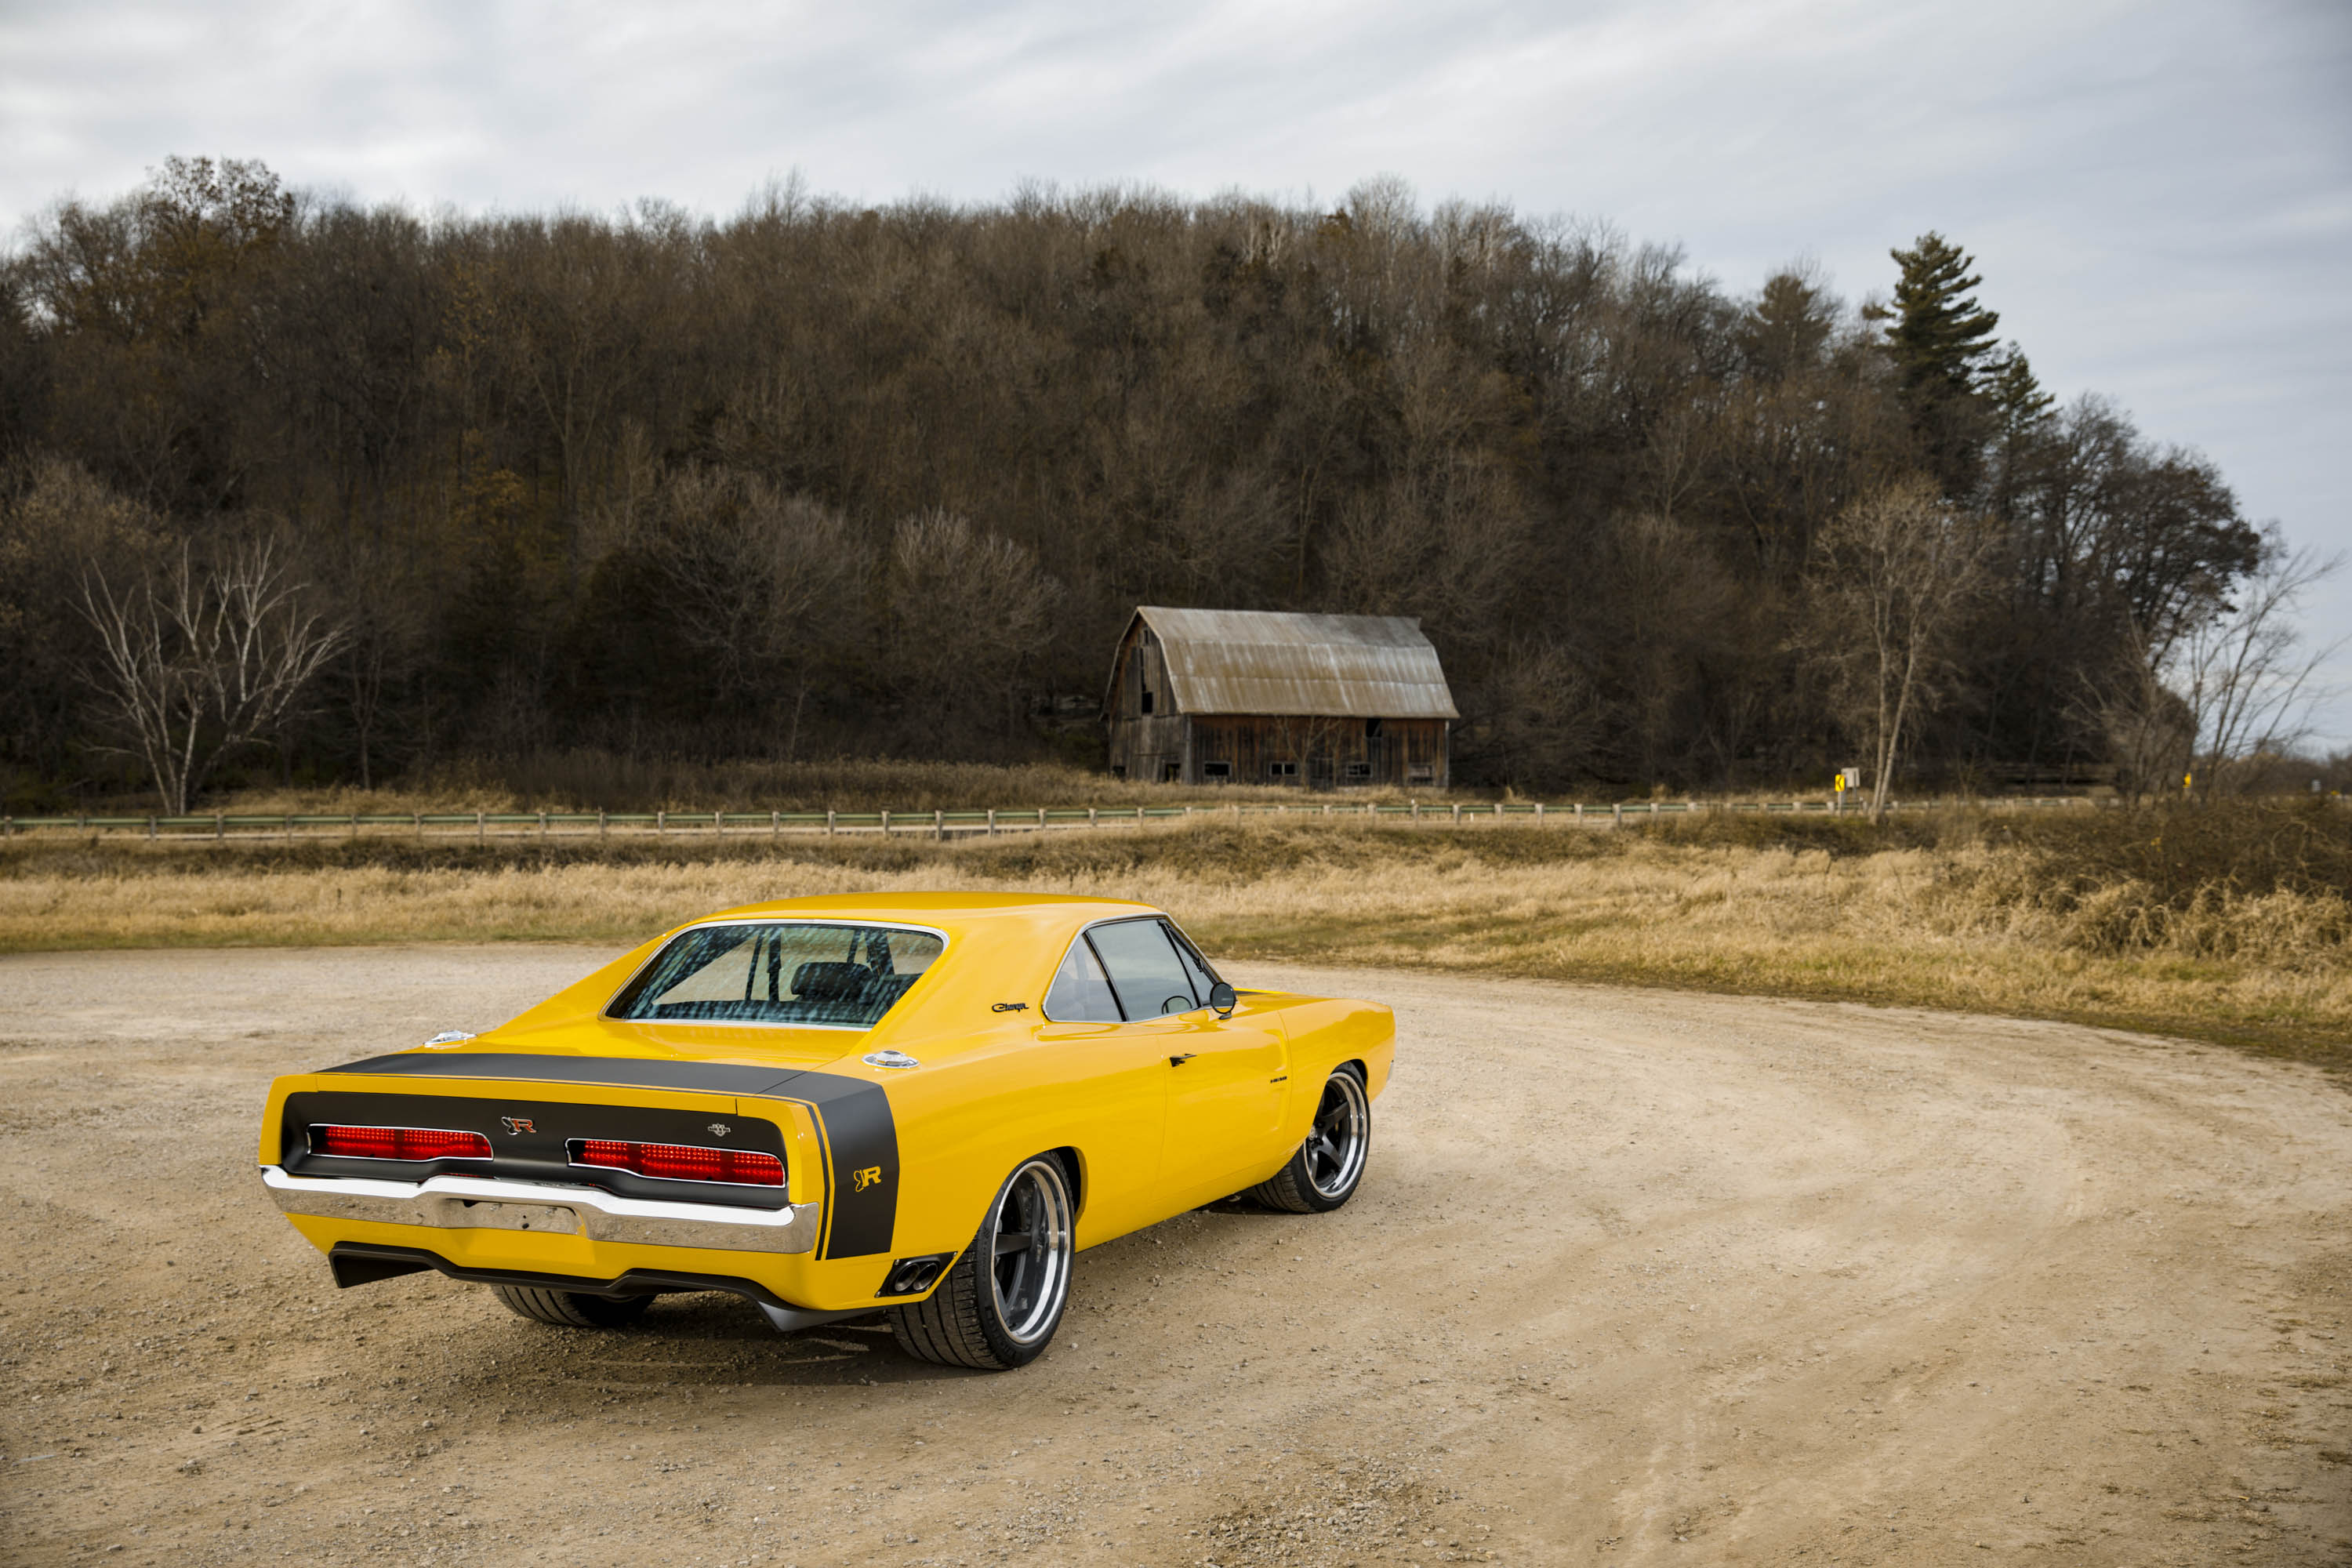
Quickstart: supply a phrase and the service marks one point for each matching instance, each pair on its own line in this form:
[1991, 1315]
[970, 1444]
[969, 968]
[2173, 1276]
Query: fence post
[991, 822]
[1093, 816]
[1138, 817]
[1579, 814]
[661, 820]
[603, 828]
[1458, 813]
[543, 824]
[220, 825]
[886, 825]
[776, 822]
[1654, 810]
[481, 827]
[1616, 813]
[828, 822]
[150, 828]
[1041, 816]
[420, 822]
[1416, 813]
[939, 823]
[1539, 816]
[718, 822]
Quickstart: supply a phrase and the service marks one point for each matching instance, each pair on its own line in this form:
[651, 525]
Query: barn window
[1217, 770]
[1372, 728]
[1359, 772]
[1282, 770]
[1420, 772]
[1146, 699]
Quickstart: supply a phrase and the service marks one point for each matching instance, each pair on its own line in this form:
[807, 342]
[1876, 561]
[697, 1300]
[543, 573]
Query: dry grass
[1960, 913]
[590, 781]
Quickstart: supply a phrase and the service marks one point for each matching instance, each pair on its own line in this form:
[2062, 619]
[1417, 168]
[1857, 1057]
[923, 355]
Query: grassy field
[2230, 926]
[591, 781]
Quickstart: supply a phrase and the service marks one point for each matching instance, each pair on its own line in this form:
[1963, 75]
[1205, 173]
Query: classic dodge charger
[923, 1105]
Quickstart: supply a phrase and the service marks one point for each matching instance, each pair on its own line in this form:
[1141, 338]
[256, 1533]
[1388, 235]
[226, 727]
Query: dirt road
[1636, 1276]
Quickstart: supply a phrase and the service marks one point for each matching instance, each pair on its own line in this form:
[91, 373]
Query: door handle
[1179, 1061]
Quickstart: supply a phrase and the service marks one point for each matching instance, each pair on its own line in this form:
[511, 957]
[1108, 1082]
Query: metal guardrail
[481, 827]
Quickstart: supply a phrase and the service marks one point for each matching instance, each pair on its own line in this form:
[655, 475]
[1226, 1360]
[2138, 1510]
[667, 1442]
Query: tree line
[300, 489]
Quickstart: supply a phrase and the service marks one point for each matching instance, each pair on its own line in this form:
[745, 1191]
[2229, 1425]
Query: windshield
[830, 976]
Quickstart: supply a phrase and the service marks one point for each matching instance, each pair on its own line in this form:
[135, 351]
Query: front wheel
[999, 1306]
[1324, 1171]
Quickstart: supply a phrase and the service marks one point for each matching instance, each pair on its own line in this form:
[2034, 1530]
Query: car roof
[949, 910]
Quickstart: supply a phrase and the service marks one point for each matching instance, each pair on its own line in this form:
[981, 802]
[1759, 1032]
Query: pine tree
[2017, 395]
[1941, 337]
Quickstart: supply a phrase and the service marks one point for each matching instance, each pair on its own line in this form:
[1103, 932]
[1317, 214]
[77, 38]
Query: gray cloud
[2159, 193]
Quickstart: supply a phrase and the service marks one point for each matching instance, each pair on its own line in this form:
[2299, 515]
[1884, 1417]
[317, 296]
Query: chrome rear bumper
[481, 1202]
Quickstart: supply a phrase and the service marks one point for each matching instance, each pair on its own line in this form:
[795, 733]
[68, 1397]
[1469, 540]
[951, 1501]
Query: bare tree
[968, 609]
[1891, 577]
[199, 663]
[2150, 732]
[765, 583]
[2244, 677]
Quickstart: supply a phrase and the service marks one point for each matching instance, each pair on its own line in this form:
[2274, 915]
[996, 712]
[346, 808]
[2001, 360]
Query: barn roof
[1258, 661]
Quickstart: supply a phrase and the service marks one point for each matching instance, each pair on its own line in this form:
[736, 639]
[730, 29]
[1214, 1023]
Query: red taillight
[399, 1143]
[681, 1162]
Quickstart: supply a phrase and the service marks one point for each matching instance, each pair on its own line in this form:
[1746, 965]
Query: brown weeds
[1972, 913]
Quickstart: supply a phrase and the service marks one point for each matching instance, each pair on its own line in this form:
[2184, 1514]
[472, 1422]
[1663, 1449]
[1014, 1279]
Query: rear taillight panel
[411, 1143]
[679, 1161]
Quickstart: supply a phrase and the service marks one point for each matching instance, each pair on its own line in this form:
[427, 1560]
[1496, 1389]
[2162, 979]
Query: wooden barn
[1253, 697]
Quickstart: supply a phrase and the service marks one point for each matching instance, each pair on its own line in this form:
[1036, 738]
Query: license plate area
[490, 1213]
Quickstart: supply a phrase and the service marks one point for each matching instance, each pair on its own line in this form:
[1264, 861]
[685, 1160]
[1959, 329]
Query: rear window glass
[836, 976]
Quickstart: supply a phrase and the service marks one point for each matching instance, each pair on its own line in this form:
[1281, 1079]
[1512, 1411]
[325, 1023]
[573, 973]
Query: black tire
[999, 1306]
[1327, 1167]
[571, 1309]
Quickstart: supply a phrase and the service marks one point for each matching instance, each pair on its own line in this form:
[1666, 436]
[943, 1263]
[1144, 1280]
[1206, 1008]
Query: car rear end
[600, 1189]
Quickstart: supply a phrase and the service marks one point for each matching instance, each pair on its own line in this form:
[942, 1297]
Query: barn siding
[1321, 747]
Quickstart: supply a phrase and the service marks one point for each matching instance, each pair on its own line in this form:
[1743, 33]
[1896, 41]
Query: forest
[298, 491]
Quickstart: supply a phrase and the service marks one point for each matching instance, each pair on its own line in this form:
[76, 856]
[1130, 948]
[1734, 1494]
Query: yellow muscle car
[922, 1105]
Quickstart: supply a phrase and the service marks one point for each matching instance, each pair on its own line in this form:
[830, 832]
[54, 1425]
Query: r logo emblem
[867, 1177]
[514, 1124]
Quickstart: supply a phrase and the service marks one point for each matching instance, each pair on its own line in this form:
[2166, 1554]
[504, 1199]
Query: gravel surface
[1635, 1276]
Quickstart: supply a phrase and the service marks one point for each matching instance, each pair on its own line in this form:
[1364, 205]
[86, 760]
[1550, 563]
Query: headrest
[831, 982]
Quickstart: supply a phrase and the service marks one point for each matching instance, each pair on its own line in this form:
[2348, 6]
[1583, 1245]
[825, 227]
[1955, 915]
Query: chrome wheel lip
[1036, 1199]
[1343, 1123]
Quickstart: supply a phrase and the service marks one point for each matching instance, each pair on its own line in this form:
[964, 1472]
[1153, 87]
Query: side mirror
[1222, 998]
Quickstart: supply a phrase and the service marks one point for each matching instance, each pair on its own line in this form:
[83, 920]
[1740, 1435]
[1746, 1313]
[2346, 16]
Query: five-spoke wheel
[1000, 1303]
[1325, 1169]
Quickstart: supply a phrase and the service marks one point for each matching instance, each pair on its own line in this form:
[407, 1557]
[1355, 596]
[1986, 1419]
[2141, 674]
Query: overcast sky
[2158, 195]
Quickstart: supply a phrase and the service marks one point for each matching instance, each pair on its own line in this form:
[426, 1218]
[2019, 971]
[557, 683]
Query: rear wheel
[999, 1306]
[1323, 1174]
[569, 1308]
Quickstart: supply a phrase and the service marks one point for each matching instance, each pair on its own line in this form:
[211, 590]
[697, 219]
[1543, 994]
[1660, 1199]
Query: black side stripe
[856, 1132]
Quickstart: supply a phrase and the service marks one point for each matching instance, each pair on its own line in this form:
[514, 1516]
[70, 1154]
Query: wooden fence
[481, 827]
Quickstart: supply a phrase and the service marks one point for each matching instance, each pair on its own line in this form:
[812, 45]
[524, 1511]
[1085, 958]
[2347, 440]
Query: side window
[1079, 994]
[1195, 968]
[1144, 970]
